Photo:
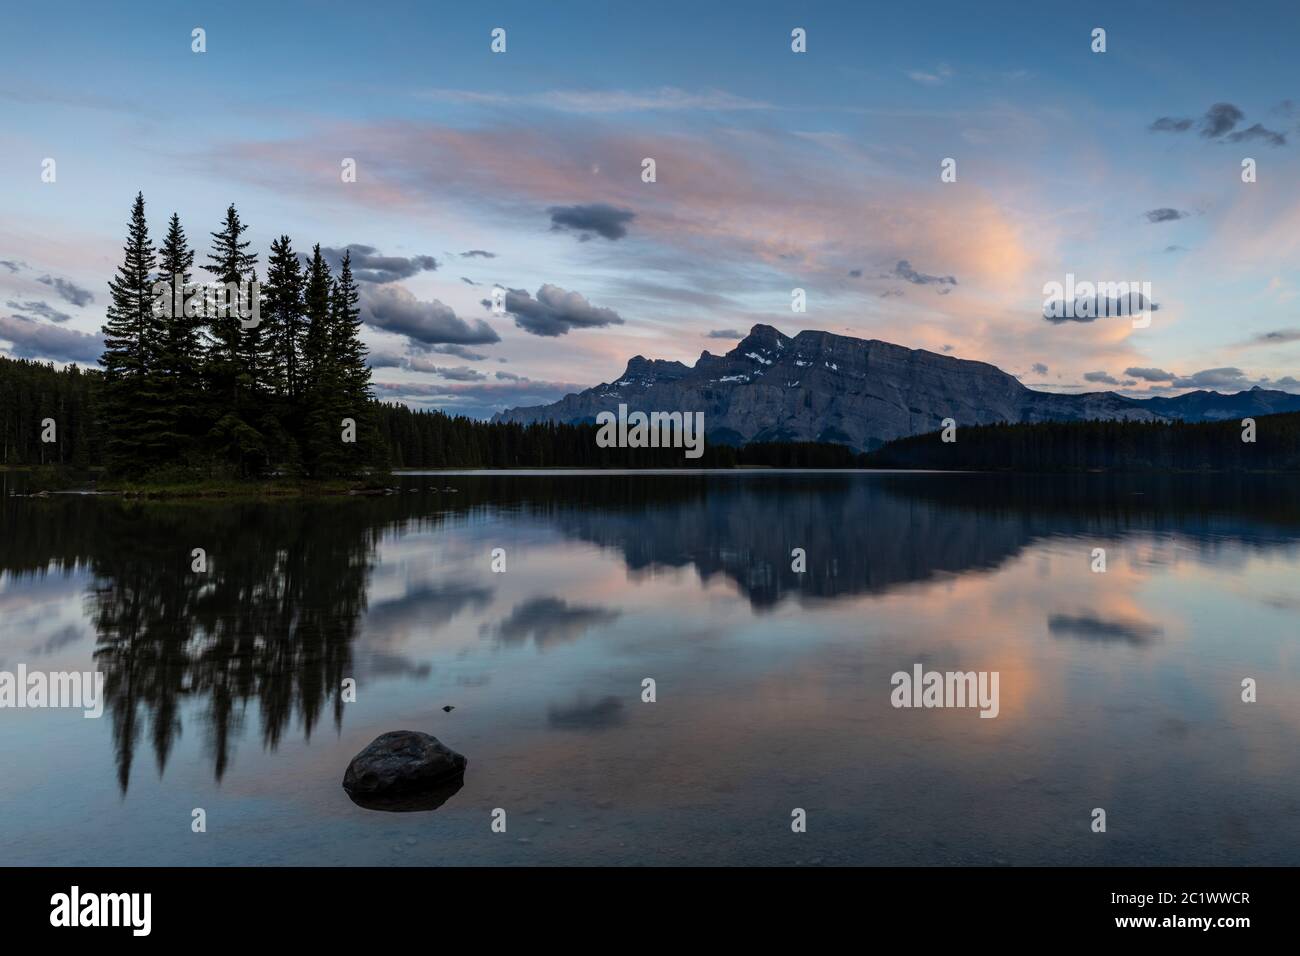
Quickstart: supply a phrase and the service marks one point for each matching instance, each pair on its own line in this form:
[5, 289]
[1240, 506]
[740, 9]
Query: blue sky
[775, 171]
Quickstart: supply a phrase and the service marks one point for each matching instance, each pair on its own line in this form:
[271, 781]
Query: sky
[774, 170]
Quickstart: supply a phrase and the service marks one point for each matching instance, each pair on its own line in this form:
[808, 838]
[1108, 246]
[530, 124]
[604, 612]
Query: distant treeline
[1103, 446]
[432, 439]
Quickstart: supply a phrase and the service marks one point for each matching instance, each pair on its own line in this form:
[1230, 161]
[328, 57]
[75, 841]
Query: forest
[1272, 445]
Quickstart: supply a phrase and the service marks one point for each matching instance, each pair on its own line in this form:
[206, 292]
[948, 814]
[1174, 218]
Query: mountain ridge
[822, 386]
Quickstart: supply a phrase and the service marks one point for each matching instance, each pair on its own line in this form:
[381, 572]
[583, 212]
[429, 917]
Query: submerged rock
[404, 770]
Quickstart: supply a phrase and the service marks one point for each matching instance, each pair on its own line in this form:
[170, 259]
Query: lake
[1118, 689]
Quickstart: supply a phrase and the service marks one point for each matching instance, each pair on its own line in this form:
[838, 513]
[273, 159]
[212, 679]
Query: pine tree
[180, 359]
[284, 317]
[233, 382]
[130, 351]
[316, 302]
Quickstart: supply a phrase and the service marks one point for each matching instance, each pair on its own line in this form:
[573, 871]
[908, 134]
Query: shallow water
[1119, 690]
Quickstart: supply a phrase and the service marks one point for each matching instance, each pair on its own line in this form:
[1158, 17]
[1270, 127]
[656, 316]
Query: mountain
[1203, 406]
[818, 386]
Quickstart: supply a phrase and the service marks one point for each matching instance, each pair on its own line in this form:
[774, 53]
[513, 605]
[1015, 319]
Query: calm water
[1118, 690]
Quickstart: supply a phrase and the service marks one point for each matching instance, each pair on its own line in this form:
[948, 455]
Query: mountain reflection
[273, 621]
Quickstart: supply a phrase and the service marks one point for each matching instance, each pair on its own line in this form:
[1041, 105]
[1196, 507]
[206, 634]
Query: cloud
[44, 310]
[1101, 377]
[1165, 214]
[478, 254]
[555, 311]
[1219, 119]
[1091, 308]
[1258, 132]
[32, 339]
[1150, 374]
[665, 98]
[724, 334]
[476, 399]
[1276, 337]
[396, 309]
[599, 218]
[941, 74]
[1175, 249]
[905, 271]
[510, 377]
[1038, 368]
[1215, 378]
[369, 266]
[855, 273]
[385, 357]
[67, 290]
[459, 351]
[12, 265]
[459, 373]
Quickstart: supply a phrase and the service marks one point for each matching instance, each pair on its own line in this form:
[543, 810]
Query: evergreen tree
[284, 317]
[130, 351]
[233, 380]
[180, 358]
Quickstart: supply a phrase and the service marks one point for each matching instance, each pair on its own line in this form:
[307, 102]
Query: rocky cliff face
[818, 386]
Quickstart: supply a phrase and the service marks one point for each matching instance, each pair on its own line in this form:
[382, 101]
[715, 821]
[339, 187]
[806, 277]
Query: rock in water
[402, 763]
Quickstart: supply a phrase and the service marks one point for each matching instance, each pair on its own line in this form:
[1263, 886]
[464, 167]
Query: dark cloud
[12, 264]
[905, 271]
[1220, 119]
[385, 358]
[1214, 378]
[1165, 214]
[1258, 132]
[947, 348]
[478, 254]
[1038, 368]
[459, 351]
[468, 281]
[1150, 374]
[724, 334]
[396, 309]
[1277, 337]
[510, 377]
[32, 339]
[855, 273]
[1089, 309]
[555, 311]
[43, 309]
[1175, 249]
[1101, 377]
[598, 218]
[369, 266]
[69, 291]
[1220, 122]
[459, 373]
